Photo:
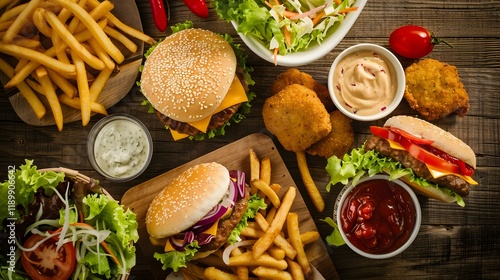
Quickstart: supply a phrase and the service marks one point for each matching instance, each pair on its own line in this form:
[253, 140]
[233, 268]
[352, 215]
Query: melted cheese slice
[435, 173]
[212, 230]
[235, 95]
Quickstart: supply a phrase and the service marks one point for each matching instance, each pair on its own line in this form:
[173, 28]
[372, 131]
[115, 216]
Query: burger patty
[454, 183]
[217, 119]
[227, 225]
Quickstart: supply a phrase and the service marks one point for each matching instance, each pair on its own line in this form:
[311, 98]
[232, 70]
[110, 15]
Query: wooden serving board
[233, 156]
[115, 89]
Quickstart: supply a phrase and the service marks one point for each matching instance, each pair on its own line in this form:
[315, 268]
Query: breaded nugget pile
[433, 89]
[294, 76]
[297, 113]
[297, 117]
[338, 141]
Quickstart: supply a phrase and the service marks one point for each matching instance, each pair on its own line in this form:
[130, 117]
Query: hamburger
[432, 161]
[197, 83]
[199, 211]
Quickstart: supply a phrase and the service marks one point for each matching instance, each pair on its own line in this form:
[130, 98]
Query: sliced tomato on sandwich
[439, 162]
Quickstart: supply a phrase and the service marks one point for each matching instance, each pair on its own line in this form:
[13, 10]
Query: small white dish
[119, 147]
[315, 51]
[337, 212]
[395, 68]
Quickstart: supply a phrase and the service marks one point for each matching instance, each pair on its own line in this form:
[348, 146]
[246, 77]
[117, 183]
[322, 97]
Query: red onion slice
[240, 181]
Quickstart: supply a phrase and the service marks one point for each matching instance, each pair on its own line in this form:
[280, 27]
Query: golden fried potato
[433, 89]
[297, 117]
[294, 76]
[338, 141]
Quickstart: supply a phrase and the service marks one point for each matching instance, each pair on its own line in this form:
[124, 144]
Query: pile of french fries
[63, 50]
[274, 246]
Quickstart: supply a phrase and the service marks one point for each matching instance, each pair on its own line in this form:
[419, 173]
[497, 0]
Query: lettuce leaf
[254, 205]
[359, 163]
[26, 181]
[335, 238]
[176, 259]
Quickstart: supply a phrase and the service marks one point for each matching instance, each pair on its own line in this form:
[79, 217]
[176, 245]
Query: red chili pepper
[198, 7]
[159, 14]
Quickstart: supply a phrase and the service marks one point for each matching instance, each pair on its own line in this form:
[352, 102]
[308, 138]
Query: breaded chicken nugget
[338, 141]
[297, 117]
[433, 88]
[294, 76]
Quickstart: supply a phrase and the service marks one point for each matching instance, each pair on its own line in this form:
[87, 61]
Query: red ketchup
[378, 216]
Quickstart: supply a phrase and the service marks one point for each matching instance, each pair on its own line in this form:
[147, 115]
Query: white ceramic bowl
[119, 147]
[418, 217]
[391, 59]
[315, 51]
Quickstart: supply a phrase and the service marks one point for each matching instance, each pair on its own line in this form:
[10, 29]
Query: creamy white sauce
[121, 148]
[365, 83]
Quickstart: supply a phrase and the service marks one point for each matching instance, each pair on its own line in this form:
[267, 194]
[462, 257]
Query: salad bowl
[314, 51]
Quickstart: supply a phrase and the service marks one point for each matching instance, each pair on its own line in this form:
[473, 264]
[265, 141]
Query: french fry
[212, 273]
[91, 25]
[265, 170]
[20, 20]
[13, 13]
[309, 237]
[277, 224]
[51, 96]
[268, 192]
[271, 273]
[33, 100]
[311, 188]
[295, 270]
[102, 54]
[40, 22]
[247, 259]
[121, 38]
[4, 3]
[242, 271]
[277, 252]
[68, 88]
[99, 83]
[254, 169]
[75, 103]
[271, 214]
[71, 42]
[96, 13]
[37, 57]
[292, 226]
[279, 240]
[83, 87]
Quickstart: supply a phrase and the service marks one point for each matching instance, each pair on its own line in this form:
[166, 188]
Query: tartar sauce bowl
[378, 218]
[119, 147]
[366, 82]
[314, 51]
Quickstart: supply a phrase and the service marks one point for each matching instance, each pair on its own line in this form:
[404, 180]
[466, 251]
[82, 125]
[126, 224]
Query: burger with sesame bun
[431, 160]
[203, 208]
[197, 82]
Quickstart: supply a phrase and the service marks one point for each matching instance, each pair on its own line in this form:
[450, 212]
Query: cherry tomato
[412, 41]
[45, 262]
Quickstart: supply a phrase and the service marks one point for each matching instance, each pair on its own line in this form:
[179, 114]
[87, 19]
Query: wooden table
[453, 242]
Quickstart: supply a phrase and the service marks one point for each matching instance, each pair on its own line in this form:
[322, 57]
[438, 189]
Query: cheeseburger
[196, 83]
[432, 161]
[198, 212]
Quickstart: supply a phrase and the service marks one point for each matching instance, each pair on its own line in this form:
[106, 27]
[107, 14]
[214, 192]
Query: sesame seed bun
[187, 199]
[187, 75]
[443, 140]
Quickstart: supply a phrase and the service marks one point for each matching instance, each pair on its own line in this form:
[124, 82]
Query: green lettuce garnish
[26, 181]
[175, 259]
[334, 239]
[360, 162]
[256, 19]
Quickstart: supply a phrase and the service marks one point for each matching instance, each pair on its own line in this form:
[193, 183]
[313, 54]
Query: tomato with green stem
[413, 41]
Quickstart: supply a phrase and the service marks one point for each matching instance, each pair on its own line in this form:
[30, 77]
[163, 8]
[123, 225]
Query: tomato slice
[420, 148]
[411, 137]
[428, 157]
[45, 262]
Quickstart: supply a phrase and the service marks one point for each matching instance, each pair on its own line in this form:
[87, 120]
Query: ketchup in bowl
[379, 218]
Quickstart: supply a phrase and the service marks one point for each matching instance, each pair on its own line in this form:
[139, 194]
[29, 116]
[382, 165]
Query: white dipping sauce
[121, 148]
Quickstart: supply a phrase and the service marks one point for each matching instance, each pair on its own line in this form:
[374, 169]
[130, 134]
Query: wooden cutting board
[116, 88]
[233, 156]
